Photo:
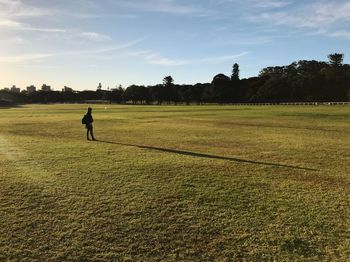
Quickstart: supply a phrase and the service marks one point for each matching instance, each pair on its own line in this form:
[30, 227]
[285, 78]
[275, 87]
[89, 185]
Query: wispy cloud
[166, 6]
[93, 36]
[12, 12]
[45, 30]
[106, 49]
[17, 26]
[17, 8]
[35, 57]
[24, 58]
[270, 3]
[310, 16]
[156, 58]
[13, 40]
[14, 25]
[219, 59]
[7, 23]
[339, 33]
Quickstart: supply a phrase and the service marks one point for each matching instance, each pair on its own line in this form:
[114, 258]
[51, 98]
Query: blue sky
[79, 43]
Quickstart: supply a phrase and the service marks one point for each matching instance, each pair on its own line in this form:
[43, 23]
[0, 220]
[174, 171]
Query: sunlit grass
[175, 183]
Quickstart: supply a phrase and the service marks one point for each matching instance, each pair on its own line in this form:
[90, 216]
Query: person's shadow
[202, 155]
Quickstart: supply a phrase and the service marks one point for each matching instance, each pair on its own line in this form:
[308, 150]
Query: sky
[81, 43]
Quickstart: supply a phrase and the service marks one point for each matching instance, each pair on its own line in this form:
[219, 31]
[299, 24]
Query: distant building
[67, 89]
[31, 89]
[45, 88]
[15, 89]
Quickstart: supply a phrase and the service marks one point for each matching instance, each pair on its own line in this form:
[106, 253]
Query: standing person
[88, 124]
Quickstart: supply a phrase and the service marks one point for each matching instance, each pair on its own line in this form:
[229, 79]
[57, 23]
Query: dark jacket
[89, 120]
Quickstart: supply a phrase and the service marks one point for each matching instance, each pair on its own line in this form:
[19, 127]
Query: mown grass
[175, 183]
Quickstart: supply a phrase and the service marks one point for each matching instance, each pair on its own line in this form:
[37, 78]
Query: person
[88, 124]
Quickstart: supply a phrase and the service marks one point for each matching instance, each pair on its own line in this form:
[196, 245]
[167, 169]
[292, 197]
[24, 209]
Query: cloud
[90, 36]
[13, 40]
[13, 10]
[219, 59]
[102, 50]
[16, 8]
[45, 30]
[270, 3]
[24, 58]
[165, 6]
[156, 58]
[339, 33]
[14, 25]
[93, 36]
[164, 61]
[77, 15]
[318, 15]
[35, 57]
[10, 24]
[344, 34]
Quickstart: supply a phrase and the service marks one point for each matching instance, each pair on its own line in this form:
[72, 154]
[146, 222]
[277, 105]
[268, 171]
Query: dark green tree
[235, 72]
[336, 59]
[220, 90]
[170, 91]
[116, 95]
[158, 93]
[136, 94]
[168, 81]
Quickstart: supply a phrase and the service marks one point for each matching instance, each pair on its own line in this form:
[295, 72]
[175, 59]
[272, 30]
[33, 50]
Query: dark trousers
[89, 130]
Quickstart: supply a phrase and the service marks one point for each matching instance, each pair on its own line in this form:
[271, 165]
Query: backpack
[84, 120]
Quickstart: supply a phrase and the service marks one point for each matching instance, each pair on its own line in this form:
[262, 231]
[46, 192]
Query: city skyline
[83, 43]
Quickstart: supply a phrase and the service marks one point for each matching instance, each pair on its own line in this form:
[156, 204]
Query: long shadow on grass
[188, 153]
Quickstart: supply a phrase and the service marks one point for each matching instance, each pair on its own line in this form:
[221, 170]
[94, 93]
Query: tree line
[302, 81]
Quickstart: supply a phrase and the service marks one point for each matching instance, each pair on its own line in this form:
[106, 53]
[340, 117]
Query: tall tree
[169, 89]
[337, 79]
[235, 72]
[336, 59]
[168, 81]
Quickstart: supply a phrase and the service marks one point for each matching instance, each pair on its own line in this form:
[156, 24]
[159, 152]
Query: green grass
[175, 183]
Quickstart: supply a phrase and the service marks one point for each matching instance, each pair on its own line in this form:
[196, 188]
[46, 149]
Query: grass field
[175, 183]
